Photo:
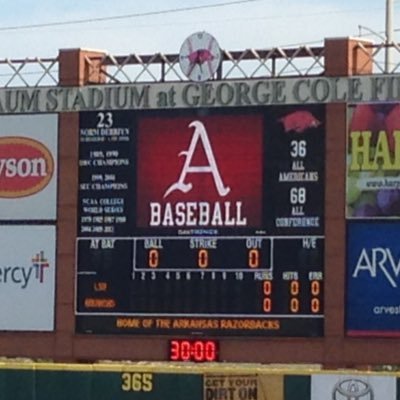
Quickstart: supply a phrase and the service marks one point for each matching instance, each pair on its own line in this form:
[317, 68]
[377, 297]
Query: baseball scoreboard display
[201, 222]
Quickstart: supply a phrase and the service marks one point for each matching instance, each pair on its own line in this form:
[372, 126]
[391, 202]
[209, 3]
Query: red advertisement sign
[199, 171]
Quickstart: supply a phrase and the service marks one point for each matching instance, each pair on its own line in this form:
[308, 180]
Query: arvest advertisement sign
[373, 283]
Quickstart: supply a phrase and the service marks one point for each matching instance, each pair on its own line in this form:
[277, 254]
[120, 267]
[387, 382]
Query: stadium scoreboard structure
[201, 222]
[250, 220]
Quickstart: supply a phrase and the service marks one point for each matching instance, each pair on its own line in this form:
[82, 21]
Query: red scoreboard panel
[206, 221]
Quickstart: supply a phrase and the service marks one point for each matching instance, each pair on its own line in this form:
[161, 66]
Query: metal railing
[247, 64]
[377, 54]
[29, 72]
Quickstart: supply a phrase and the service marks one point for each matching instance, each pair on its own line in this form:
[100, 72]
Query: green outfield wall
[42, 381]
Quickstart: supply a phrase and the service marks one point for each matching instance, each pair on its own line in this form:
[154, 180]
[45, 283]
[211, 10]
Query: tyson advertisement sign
[200, 171]
[26, 167]
[28, 154]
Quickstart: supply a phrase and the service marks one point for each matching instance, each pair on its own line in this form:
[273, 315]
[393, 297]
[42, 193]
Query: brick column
[347, 56]
[79, 67]
[76, 68]
[343, 57]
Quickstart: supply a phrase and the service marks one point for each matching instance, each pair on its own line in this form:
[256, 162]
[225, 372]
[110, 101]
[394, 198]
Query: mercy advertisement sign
[27, 277]
[373, 279]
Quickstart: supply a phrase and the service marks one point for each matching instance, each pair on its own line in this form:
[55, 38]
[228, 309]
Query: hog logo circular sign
[26, 167]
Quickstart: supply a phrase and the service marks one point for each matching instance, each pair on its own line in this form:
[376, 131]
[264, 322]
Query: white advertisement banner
[353, 387]
[27, 277]
[28, 167]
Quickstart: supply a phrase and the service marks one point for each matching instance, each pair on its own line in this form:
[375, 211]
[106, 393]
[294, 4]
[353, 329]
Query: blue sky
[252, 24]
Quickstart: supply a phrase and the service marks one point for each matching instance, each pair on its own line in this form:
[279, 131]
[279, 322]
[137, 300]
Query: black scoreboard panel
[201, 222]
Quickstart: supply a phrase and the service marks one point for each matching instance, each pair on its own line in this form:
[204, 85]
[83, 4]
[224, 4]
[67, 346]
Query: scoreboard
[201, 222]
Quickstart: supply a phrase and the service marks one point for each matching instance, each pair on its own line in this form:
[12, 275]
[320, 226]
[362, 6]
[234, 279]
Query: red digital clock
[193, 350]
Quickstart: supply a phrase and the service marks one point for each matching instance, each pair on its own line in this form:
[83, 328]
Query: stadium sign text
[170, 95]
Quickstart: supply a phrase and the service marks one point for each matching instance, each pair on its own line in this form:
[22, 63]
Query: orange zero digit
[153, 258]
[267, 288]
[294, 305]
[267, 304]
[294, 288]
[202, 258]
[254, 258]
[315, 305]
[315, 288]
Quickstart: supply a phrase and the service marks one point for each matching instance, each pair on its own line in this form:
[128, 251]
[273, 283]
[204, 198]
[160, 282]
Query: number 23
[105, 120]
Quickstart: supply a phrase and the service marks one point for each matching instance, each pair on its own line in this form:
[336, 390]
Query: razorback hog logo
[26, 167]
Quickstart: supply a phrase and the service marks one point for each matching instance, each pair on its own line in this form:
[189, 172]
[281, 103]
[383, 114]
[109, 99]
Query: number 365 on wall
[137, 382]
